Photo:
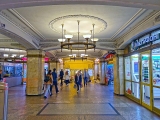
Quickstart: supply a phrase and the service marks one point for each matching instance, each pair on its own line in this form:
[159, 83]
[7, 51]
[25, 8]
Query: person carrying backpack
[48, 82]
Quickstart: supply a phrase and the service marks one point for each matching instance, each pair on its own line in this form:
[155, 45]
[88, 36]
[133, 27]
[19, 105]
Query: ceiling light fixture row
[78, 45]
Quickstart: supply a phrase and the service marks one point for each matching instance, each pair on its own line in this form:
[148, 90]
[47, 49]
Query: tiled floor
[94, 102]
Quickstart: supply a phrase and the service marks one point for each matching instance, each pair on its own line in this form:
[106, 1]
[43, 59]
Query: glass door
[135, 76]
[146, 96]
[156, 79]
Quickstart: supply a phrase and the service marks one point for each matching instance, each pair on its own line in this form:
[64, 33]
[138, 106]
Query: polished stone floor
[94, 102]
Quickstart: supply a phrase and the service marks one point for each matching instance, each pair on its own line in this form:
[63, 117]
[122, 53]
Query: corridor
[94, 102]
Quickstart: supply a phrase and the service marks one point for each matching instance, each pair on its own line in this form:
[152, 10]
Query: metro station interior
[116, 43]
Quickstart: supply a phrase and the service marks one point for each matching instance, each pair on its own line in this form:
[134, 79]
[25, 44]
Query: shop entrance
[146, 96]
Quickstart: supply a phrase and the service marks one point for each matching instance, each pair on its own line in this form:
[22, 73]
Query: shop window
[145, 68]
[156, 97]
[135, 67]
[128, 87]
[127, 68]
[156, 67]
[136, 90]
[146, 94]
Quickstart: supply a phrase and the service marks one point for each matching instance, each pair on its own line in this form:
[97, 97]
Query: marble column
[118, 72]
[52, 65]
[96, 70]
[35, 72]
[102, 71]
[61, 65]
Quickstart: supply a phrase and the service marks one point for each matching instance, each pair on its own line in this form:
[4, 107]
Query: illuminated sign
[144, 41]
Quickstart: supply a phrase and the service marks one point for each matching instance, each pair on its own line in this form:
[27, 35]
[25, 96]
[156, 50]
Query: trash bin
[3, 100]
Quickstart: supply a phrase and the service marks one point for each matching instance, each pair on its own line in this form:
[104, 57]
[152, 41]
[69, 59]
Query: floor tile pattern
[22, 107]
[78, 109]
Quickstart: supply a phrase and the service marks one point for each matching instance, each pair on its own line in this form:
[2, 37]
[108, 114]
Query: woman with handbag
[48, 82]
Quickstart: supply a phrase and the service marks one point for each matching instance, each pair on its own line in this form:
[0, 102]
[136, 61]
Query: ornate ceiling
[44, 23]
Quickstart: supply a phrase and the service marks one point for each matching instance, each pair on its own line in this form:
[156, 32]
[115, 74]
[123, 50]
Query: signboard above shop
[146, 41]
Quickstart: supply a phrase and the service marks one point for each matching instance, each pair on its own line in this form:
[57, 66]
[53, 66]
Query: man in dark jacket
[78, 80]
[54, 76]
[61, 76]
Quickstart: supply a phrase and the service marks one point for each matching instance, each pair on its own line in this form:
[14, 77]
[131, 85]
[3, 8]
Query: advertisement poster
[110, 72]
[127, 69]
[90, 72]
[135, 67]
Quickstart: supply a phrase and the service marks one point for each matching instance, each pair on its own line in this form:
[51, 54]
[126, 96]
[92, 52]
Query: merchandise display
[145, 68]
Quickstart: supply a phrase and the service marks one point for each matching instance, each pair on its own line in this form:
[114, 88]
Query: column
[118, 72]
[52, 65]
[35, 72]
[102, 71]
[96, 70]
[61, 65]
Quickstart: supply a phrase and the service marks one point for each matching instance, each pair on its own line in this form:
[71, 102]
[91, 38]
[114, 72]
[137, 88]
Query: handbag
[75, 86]
[81, 85]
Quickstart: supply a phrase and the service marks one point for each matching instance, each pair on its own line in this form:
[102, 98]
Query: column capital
[35, 53]
[119, 52]
[102, 60]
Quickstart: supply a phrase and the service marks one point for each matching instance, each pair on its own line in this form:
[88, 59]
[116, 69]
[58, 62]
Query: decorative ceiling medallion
[70, 24]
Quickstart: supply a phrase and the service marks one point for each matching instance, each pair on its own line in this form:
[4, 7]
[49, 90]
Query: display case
[145, 68]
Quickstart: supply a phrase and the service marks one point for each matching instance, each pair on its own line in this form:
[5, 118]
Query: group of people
[78, 79]
[50, 79]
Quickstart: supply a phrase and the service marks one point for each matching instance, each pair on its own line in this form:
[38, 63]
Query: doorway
[146, 97]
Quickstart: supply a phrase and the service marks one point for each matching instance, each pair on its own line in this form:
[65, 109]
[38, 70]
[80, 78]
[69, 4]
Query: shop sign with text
[144, 42]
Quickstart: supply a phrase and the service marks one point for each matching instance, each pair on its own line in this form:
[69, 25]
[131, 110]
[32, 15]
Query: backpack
[47, 78]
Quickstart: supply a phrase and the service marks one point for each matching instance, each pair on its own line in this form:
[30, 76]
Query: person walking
[67, 78]
[61, 76]
[1, 78]
[78, 80]
[48, 81]
[55, 83]
[86, 77]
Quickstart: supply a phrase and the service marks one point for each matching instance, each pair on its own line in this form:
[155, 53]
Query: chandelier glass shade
[75, 57]
[61, 40]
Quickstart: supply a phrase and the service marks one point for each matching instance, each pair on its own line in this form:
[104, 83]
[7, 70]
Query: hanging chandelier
[77, 45]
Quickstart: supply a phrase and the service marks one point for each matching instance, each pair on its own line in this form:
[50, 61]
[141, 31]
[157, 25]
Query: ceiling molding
[7, 40]
[101, 23]
[22, 19]
[125, 26]
[108, 45]
[151, 4]
[48, 45]
[3, 14]
[140, 28]
[17, 38]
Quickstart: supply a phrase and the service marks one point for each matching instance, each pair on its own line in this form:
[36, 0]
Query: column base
[31, 91]
[119, 94]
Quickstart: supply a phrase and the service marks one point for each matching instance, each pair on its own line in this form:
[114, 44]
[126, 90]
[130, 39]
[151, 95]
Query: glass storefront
[142, 71]
[156, 77]
[142, 76]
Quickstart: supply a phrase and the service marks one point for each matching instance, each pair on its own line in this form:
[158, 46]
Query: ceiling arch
[17, 38]
[34, 17]
[147, 4]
